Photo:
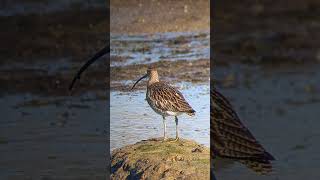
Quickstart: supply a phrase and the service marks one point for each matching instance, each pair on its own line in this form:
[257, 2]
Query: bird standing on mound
[231, 139]
[165, 99]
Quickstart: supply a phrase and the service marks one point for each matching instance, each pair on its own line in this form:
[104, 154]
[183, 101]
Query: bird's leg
[164, 128]
[177, 131]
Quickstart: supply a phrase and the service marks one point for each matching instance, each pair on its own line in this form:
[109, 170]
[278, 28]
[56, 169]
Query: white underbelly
[170, 113]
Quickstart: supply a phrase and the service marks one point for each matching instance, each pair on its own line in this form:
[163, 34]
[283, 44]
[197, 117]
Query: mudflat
[155, 16]
[153, 158]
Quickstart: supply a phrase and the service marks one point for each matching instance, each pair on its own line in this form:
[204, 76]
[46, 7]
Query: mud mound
[154, 159]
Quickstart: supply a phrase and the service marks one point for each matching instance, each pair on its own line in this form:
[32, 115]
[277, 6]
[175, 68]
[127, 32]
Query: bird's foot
[176, 139]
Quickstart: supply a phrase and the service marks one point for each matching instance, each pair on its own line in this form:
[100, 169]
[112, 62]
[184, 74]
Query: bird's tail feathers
[260, 167]
[191, 112]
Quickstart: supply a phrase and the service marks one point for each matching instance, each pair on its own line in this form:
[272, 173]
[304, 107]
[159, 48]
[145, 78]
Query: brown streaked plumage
[165, 99]
[231, 139]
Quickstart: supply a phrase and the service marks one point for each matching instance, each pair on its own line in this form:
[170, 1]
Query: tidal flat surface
[150, 48]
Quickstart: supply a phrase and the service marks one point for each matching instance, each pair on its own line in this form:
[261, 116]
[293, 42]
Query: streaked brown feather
[231, 139]
[167, 98]
[261, 167]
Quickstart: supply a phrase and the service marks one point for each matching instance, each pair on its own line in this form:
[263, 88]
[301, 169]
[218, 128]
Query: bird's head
[152, 74]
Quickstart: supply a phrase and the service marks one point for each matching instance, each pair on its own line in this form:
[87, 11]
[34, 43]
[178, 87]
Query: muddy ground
[197, 72]
[144, 16]
[267, 33]
[47, 49]
[155, 159]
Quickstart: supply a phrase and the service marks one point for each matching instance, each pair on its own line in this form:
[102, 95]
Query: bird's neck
[153, 78]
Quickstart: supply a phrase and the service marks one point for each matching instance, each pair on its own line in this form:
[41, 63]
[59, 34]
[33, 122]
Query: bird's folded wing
[168, 98]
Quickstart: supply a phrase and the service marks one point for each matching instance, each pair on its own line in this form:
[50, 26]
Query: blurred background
[266, 61]
[45, 132]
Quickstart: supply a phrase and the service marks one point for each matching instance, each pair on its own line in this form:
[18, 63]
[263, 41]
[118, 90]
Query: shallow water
[63, 136]
[132, 119]
[280, 107]
[149, 48]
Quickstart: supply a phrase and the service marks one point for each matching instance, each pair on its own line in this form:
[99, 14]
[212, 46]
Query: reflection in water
[133, 120]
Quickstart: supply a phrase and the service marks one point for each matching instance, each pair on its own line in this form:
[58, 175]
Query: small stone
[179, 158]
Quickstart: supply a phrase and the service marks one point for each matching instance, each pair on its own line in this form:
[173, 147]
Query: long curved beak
[100, 53]
[139, 80]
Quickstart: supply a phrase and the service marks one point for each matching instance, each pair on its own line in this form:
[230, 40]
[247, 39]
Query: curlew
[165, 99]
[231, 139]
